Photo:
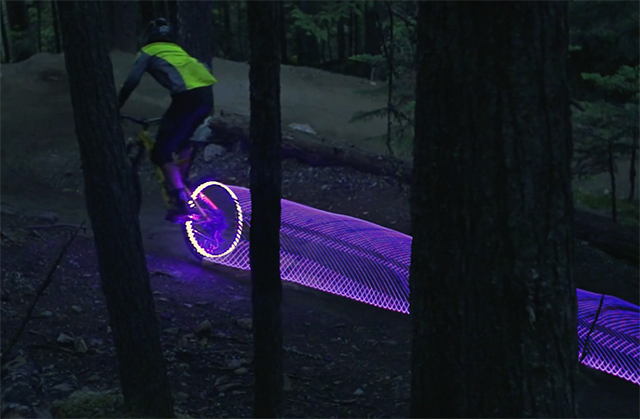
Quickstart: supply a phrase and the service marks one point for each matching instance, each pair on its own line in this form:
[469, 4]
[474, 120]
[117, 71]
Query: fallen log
[602, 233]
[614, 239]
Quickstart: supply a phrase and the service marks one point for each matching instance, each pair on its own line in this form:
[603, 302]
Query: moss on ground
[95, 404]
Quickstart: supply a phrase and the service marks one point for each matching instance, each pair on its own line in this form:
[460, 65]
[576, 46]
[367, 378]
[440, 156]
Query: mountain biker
[190, 84]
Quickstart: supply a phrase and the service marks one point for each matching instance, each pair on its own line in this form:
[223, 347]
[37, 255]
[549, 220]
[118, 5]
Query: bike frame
[145, 142]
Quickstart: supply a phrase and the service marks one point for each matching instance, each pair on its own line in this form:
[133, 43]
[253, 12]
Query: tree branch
[45, 284]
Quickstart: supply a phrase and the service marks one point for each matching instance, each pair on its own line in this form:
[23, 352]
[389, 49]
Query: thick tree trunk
[6, 49]
[123, 34]
[109, 191]
[265, 183]
[18, 15]
[493, 303]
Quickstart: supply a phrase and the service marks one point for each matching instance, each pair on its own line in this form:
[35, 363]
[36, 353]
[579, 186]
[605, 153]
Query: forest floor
[343, 358]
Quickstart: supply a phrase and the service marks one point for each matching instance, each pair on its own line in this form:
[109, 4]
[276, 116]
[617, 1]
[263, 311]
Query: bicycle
[215, 227]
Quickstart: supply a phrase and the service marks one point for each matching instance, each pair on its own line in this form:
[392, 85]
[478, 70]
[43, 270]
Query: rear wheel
[216, 228]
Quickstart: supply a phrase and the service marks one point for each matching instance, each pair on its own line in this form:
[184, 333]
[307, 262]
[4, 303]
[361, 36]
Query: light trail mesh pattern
[363, 261]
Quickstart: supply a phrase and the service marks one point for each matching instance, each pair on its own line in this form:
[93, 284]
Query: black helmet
[158, 30]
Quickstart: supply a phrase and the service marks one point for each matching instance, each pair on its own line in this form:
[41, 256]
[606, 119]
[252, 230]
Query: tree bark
[341, 41]
[172, 12]
[56, 26]
[612, 179]
[147, 11]
[18, 15]
[124, 36]
[22, 45]
[284, 58]
[632, 167]
[38, 5]
[240, 30]
[493, 302]
[109, 190]
[372, 38]
[195, 29]
[265, 184]
[5, 39]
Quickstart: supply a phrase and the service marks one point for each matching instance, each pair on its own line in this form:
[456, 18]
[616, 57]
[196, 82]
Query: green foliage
[373, 60]
[604, 37]
[309, 24]
[323, 23]
[397, 60]
[625, 80]
[604, 124]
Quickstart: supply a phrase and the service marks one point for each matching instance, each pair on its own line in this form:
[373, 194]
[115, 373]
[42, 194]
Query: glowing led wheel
[215, 229]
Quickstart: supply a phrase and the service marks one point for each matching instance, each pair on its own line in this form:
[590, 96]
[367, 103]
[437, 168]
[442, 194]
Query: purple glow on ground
[363, 261]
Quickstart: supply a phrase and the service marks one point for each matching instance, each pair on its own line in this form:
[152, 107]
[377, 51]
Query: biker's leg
[185, 159]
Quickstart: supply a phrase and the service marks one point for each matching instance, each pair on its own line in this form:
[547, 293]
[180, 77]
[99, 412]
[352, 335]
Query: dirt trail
[40, 170]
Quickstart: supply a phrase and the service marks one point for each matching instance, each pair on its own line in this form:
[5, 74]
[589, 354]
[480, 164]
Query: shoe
[180, 210]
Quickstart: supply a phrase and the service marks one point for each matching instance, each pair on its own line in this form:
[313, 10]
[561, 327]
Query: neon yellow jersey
[170, 66]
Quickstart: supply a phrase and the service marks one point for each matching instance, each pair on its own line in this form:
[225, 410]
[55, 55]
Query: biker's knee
[160, 156]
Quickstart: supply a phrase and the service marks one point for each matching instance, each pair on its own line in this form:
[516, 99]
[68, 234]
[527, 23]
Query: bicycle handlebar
[144, 122]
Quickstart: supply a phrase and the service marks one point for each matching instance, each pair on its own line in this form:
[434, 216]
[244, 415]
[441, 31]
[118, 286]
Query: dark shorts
[187, 112]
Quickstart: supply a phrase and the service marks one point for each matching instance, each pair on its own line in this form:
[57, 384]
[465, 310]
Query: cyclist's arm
[134, 77]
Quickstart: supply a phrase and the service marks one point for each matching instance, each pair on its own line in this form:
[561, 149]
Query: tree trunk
[632, 168]
[124, 34]
[22, 45]
[341, 41]
[240, 31]
[265, 184]
[196, 30]
[18, 15]
[226, 35]
[308, 45]
[493, 302]
[172, 12]
[350, 51]
[372, 38]
[6, 49]
[110, 196]
[612, 178]
[56, 25]
[356, 33]
[147, 12]
[38, 5]
[284, 58]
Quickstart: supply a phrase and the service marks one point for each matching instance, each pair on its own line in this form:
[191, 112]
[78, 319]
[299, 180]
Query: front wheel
[216, 227]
